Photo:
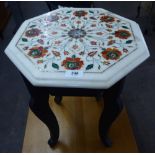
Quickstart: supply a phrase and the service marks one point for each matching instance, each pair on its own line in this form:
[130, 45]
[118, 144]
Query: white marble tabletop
[77, 47]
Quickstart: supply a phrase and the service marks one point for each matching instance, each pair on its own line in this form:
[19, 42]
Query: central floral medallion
[77, 33]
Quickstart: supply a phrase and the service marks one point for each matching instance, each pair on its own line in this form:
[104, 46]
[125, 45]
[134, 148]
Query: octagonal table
[80, 52]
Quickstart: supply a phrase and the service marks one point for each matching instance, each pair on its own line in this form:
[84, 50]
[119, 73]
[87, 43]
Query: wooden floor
[78, 119]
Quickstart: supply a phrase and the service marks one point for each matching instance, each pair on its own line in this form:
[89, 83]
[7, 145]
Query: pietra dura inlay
[88, 40]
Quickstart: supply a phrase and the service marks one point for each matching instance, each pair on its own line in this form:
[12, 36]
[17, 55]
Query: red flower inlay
[107, 19]
[80, 13]
[122, 34]
[72, 63]
[111, 54]
[32, 32]
[37, 52]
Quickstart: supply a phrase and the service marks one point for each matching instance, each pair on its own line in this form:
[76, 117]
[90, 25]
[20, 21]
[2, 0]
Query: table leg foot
[52, 143]
[40, 107]
[106, 141]
[112, 108]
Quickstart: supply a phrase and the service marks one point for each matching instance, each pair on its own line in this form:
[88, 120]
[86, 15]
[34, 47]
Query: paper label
[74, 73]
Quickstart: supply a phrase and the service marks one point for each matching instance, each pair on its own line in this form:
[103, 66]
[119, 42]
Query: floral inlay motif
[32, 32]
[123, 34]
[77, 33]
[107, 19]
[91, 40]
[111, 53]
[72, 63]
[80, 13]
[37, 52]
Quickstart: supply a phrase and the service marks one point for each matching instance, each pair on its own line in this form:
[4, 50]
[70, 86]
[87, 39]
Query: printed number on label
[74, 74]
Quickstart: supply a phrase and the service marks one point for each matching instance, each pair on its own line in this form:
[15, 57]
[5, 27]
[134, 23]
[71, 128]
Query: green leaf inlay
[24, 40]
[128, 41]
[91, 11]
[89, 67]
[55, 66]
[68, 11]
[73, 56]
[32, 26]
[125, 27]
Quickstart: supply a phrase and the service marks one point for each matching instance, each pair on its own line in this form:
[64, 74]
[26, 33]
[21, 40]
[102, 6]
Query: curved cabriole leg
[40, 106]
[112, 108]
[41, 109]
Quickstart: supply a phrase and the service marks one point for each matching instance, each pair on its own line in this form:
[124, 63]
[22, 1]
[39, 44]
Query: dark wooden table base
[40, 107]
